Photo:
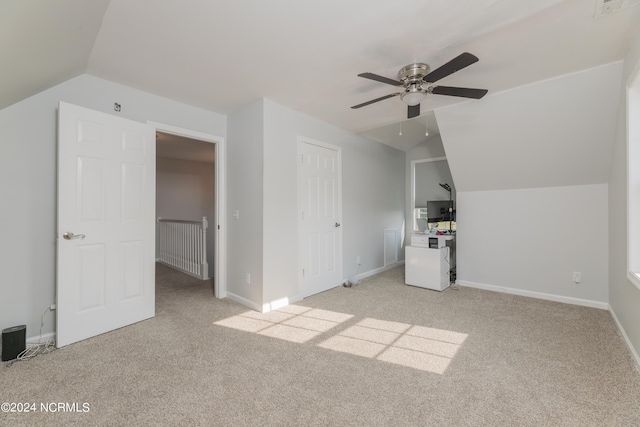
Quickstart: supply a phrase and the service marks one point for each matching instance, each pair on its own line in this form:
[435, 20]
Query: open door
[105, 230]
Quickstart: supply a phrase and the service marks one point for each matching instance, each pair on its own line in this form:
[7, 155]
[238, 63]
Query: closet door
[320, 226]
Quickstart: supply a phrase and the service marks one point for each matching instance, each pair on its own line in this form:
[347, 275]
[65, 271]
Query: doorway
[106, 221]
[190, 177]
[429, 179]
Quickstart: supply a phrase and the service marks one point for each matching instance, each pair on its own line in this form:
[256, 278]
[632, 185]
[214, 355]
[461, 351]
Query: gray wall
[532, 240]
[372, 197]
[245, 171]
[548, 173]
[428, 149]
[428, 177]
[28, 132]
[263, 183]
[185, 190]
[624, 297]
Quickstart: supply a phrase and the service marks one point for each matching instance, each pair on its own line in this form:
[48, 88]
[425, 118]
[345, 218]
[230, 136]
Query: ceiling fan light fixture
[413, 98]
[413, 95]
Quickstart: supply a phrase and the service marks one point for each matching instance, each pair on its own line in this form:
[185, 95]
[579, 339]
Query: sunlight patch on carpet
[292, 323]
[417, 347]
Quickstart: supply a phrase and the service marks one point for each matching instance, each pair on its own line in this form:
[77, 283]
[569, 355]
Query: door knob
[337, 224]
[70, 236]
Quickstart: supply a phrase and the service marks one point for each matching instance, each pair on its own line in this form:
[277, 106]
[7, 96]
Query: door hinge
[218, 226]
[301, 158]
[303, 272]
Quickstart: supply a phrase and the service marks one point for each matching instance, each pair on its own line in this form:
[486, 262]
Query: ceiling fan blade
[413, 111]
[458, 63]
[382, 98]
[380, 79]
[463, 92]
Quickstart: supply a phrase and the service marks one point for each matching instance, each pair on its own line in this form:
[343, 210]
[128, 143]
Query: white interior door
[105, 233]
[320, 225]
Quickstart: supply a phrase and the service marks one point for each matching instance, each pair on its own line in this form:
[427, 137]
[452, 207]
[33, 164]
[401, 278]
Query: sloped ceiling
[558, 132]
[221, 55]
[43, 43]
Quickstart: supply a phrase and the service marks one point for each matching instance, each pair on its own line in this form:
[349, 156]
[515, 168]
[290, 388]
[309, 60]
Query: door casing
[219, 222]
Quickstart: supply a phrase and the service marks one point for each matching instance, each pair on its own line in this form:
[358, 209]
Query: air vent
[606, 7]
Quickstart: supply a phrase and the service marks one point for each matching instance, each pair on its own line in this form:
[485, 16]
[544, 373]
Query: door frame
[219, 220]
[412, 196]
[303, 140]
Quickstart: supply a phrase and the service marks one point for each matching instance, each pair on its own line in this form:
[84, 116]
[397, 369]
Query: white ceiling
[221, 55]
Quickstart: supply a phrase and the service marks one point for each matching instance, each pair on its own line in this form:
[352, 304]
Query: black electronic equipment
[14, 342]
[440, 210]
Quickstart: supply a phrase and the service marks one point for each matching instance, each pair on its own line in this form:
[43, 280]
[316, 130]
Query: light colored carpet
[378, 354]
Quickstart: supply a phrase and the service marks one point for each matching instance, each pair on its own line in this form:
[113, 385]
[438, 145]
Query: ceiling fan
[417, 81]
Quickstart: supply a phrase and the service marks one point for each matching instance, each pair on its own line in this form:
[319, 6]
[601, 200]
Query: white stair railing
[183, 246]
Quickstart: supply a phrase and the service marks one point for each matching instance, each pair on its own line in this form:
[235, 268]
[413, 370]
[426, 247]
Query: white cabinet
[427, 267]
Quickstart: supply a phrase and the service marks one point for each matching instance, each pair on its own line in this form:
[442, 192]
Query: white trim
[412, 201]
[633, 278]
[633, 351]
[243, 301]
[266, 307]
[634, 76]
[220, 243]
[378, 270]
[395, 245]
[41, 339]
[279, 303]
[432, 159]
[538, 295]
[632, 139]
[318, 143]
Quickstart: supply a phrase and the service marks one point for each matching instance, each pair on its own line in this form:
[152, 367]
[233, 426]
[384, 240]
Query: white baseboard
[633, 351]
[279, 303]
[41, 339]
[241, 300]
[266, 307]
[533, 294]
[274, 305]
[378, 270]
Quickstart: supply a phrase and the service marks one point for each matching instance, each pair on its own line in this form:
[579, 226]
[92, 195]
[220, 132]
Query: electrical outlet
[236, 214]
[358, 261]
[577, 277]
[248, 278]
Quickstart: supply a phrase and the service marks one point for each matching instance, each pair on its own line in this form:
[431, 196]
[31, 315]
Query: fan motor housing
[413, 73]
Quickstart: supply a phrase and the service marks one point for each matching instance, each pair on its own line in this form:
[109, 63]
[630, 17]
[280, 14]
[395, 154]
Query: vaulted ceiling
[221, 55]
